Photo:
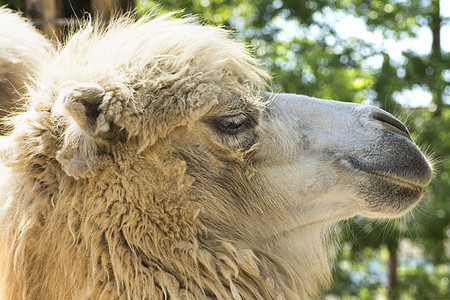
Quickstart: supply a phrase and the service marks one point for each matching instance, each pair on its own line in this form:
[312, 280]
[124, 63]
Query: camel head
[164, 127]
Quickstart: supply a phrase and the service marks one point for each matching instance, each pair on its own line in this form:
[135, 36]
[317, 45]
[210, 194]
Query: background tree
[303, 45]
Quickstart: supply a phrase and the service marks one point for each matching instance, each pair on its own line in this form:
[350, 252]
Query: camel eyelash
[232, 124]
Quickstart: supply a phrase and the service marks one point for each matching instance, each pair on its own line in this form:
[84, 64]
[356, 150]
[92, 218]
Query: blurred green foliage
[297, 41]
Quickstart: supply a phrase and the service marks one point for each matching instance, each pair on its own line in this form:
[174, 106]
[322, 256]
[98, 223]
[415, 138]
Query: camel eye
[233, 124]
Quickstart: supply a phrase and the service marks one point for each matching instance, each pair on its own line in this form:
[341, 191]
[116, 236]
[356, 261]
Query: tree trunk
[105, 9]
[393, 280]
[386, 85]
[45, 10]
[436, 58]
[129, 5]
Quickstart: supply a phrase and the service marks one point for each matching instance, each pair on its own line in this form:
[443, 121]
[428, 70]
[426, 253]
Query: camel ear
[86, 134]
[82, 103]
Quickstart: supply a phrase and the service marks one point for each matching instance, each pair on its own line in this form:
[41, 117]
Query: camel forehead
[93, 53]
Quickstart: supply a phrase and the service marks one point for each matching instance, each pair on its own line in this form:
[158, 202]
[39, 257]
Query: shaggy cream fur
[149, 166]
[23, 52]
[124, 233]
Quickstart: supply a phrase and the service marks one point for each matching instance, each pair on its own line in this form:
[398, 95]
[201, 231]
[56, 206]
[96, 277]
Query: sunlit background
[394, 54]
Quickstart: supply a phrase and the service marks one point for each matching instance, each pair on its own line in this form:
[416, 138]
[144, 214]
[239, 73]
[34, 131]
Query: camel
[23, 51]
[150, 163]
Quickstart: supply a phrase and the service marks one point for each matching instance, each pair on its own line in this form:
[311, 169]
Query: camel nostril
[390, 123]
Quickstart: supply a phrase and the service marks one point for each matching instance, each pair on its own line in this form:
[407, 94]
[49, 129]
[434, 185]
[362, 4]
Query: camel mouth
[395, 179]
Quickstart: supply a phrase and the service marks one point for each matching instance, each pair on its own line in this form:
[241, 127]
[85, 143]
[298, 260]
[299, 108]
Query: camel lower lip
[388, 195]
[395, 179]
